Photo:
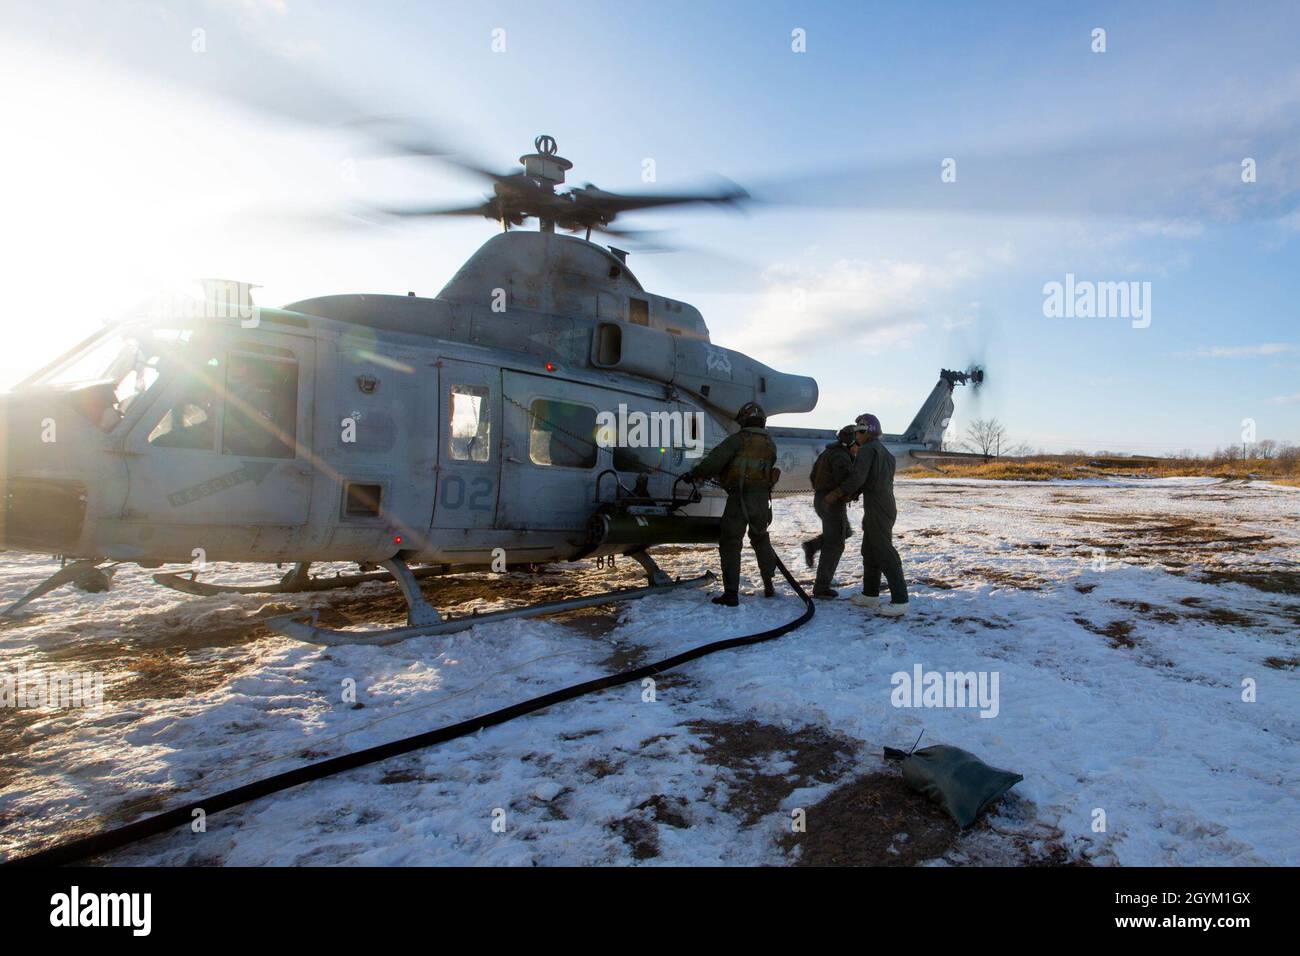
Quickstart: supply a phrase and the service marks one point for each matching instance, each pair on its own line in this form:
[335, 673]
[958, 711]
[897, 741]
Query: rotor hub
[544, 165]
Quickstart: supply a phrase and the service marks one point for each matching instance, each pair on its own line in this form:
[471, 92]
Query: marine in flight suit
[834, 465]
[743, 464]
[873, 477]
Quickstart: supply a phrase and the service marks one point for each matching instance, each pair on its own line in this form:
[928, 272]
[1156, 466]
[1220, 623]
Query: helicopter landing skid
[297, 581]
[294, 625]
[86, 574]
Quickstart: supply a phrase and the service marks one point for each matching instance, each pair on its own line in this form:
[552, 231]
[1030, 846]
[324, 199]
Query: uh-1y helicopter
[486, 427]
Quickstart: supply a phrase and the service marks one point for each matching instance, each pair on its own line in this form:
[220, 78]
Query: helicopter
[483, 428]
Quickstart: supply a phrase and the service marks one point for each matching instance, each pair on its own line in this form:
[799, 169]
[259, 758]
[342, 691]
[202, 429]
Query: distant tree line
[988, 437]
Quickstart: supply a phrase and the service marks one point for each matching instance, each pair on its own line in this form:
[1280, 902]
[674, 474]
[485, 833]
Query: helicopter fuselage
[360, 428]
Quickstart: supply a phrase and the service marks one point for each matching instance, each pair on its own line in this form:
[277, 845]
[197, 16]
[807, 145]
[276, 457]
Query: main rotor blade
[591, 197]
[488, 209]
[640, 240]
[403, 136]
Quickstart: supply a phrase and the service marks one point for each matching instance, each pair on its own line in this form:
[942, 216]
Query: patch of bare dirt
[982, 622]
[876, 820]
[598, 767]
[1108, 517]
[939, 583]
[1156, 535]
[154, 671]
[746, 749]
[1282, 663]
[1163, 615]
[1119, 633]
[590, 621]
[629, 656]
[640, 835]
[640, 829]
[1226, 618]
[1220, 616]
[1273, 580]
[1021, 580]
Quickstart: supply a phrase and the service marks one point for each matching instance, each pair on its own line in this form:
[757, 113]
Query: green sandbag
[957, 780]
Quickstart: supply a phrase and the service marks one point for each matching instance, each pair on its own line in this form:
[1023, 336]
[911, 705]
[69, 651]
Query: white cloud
[1285, 399]
[857, 303]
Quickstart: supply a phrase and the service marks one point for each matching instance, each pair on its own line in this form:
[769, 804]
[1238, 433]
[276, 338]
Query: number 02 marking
[454, 494]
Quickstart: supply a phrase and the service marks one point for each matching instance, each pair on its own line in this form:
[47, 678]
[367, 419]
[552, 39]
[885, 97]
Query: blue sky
[129, 174]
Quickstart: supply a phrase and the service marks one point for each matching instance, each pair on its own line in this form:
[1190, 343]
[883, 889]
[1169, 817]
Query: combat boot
[728, 599]
[810, 549]
[768, 589]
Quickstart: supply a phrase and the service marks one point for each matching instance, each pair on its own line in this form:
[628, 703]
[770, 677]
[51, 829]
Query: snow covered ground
[1125, 621]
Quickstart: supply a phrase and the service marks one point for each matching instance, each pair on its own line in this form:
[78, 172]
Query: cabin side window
[562, 434]
[626, 459]
[469, 423]
[261, 407]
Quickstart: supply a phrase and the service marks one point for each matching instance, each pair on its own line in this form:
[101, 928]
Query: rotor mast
[547, 170]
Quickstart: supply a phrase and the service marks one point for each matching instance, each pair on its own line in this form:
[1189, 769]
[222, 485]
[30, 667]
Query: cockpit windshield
[127, 357]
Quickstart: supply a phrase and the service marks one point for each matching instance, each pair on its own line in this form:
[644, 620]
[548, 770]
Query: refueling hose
[107, 840]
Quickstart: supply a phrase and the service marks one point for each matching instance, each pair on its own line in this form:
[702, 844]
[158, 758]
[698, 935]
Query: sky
[152, 142]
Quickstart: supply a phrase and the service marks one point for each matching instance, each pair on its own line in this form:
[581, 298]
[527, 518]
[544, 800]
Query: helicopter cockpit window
[562, 433]
[191, 421]
[470, 423]
[261, 407]
[128, 358]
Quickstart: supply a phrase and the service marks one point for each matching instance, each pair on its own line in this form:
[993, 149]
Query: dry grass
[1004, 470]
[1283, 472]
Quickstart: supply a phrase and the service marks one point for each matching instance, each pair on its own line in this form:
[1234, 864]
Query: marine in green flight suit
[743, 465]
[832, 469]
[873, 477]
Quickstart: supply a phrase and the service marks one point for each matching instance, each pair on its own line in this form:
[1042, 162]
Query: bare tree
[1266, 449]
[984, 436]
